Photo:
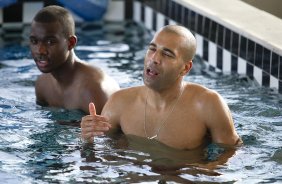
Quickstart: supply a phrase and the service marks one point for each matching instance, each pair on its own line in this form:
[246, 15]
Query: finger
[92, 109]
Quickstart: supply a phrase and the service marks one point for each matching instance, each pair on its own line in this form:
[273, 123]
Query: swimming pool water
[35, 147]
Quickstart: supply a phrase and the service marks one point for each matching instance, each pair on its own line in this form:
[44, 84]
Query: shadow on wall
[273, 7]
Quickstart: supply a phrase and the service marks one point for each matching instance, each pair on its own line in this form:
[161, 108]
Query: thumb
[92, 109]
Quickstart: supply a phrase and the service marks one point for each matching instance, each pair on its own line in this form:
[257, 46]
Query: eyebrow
[164, 49]
[45, 38]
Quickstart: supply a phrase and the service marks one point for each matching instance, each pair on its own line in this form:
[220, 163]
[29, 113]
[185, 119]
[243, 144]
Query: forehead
[168, 40]
[45, 29]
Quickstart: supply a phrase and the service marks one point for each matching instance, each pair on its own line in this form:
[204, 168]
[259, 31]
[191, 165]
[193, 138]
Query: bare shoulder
[202, 93]
[127, 94]
[95, 79]
[120, 100]
[86, 70]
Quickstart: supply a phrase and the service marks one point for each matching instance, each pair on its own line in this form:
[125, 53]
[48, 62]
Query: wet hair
[53, 13]
[189, 44]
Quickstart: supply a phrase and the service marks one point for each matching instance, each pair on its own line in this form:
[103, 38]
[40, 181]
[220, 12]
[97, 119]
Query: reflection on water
[42, 144]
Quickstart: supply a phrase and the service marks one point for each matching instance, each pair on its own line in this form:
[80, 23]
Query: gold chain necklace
[166, 118]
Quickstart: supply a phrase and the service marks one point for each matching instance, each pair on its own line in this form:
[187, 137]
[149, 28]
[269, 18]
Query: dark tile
[173, 11]
[166, 22]
[266, 60]
[213, 31]
[250, 70]
[180, 13]
[243, 47]
[154, 20]
[227, 39]
[13, 13]
[265, 79]
[206, 27]
[280, 68]
[200, 28]
[251, 51]
[219, 58]
[162, 5]
[280, 86]
[192, 21]
[128, 11]
[234, 64]
[167, 8]
[220, 35]
[158, 6]
[206, 50]
[186, 17]
[152, 4]
[143, 13]
[275, 64]
[235, 43]
[258, 55]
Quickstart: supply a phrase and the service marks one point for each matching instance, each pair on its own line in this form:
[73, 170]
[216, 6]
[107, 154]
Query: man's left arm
[219, 121]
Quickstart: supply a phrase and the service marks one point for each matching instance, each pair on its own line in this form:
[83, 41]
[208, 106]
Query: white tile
[199, 50]
[115, 11]
[172, 22]
[212, 54]
[242, 66]
[226, 62]
[137, 11]
[160, 20]
[274, 82]
[258, 75]
[30, 9]
[149, 18]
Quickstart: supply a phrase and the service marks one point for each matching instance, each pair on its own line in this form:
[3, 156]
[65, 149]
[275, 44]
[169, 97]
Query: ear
[72, 42]
[187, 67]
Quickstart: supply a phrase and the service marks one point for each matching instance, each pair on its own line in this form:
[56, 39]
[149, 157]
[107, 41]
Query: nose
[156, 57]
[42, 49]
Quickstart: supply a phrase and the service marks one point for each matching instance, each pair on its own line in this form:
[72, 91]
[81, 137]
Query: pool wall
[232, 36]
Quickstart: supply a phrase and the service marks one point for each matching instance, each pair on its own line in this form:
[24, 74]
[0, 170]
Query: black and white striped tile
[223, 49]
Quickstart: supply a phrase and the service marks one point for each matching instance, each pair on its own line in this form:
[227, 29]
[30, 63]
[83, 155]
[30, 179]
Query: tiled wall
[222, 48]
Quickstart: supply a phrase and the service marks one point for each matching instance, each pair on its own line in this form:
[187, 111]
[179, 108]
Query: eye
[33, 41]
[50, 42]
[151, 48]
[168, 54]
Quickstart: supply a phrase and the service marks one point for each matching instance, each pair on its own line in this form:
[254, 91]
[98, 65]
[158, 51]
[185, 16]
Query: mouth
[41, 62]
[151, 72]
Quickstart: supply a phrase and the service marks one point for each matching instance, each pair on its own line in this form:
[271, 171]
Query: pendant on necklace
[153, 137]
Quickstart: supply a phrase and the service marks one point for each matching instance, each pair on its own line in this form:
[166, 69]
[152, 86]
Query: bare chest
[181, 129]
[58, 97]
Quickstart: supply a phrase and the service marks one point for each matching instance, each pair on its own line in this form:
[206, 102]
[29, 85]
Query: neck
[163, 98]
[64, 73]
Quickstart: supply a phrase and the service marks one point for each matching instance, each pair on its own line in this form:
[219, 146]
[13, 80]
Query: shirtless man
[66, 81]
[180, 114]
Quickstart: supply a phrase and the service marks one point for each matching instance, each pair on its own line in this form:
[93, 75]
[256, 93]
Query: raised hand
[93, 125]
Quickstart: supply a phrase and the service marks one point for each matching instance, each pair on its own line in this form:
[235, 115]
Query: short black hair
[59, 14]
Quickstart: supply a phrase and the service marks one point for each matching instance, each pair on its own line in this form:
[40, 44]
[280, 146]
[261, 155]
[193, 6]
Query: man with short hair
[179, 114]
[66, 81]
